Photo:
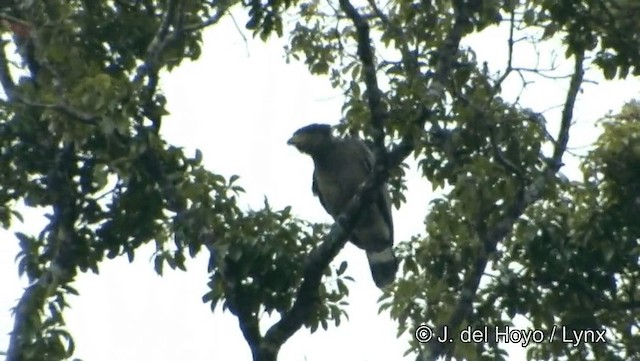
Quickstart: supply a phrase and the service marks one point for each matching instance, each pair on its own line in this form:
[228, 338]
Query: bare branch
[567, 111]
[164, 37]
[211, 21]
[541, 73]
[509, 66]
[239, 29]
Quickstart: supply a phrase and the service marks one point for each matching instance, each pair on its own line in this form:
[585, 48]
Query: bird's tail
[384, 266]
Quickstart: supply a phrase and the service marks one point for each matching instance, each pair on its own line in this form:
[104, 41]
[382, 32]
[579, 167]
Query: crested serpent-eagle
[340, 166]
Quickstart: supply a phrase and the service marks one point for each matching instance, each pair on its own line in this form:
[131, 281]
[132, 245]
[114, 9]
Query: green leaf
[529, 16]
[342, 268]
[549, 30]
[158, 264]
[198, 157]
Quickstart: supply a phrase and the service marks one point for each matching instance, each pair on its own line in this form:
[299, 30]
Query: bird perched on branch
[341, 165]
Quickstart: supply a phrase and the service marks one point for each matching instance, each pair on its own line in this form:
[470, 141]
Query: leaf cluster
[257, 265]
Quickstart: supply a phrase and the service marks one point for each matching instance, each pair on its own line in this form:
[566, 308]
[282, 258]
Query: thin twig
[509, 66]
[239, 29]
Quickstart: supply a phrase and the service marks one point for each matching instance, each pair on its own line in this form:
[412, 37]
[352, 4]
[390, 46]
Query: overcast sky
[239, 103]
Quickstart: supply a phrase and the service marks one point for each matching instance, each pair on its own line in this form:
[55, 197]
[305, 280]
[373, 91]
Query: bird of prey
[341, 165]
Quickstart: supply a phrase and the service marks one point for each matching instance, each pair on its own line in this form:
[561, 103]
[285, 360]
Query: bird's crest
[315, 128]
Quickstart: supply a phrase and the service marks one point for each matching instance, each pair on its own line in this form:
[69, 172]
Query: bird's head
[312, 138]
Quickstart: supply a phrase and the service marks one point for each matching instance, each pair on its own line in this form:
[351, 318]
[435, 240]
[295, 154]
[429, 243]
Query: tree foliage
[79, 138]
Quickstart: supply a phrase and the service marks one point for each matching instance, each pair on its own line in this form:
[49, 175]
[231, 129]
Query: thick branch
[30, 302]
[320, 257]
[316, 263]
[62, 267]
[250, 330]
[374, 95]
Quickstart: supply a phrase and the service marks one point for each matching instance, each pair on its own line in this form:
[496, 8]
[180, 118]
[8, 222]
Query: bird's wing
[384, 205]
[374, 233]
[382, 200]
[365, 154]
[316, 191]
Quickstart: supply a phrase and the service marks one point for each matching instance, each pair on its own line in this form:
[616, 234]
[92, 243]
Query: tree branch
[250, 330]
[60, 246]
[211, 21]
[409, 58]
[5, 75]
[163, 38]
[526, 197]
[151, 64]
[30, 302]
[567, 111]
[320, 257]
[509, 67]
[374, 95]
[62, 107]
[62, 267]
[9, 88]
[157, 45]
[315, 265]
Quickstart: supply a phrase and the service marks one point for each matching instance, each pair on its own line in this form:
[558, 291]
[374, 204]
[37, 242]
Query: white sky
[239, 103]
